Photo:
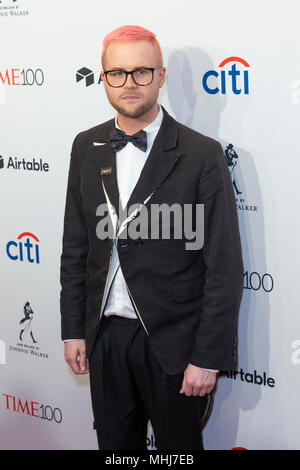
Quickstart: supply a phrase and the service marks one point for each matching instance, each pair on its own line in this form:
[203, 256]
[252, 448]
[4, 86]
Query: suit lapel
[161, 160]
[105, 158]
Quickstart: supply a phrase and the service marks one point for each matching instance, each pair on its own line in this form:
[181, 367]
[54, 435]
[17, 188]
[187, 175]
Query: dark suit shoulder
[197, 145]
[95, 132]
[195, 137]
[84, 141]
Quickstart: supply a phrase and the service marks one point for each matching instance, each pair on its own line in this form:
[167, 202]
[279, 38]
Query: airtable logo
[87, 74]
[24, 250]
[230, 79]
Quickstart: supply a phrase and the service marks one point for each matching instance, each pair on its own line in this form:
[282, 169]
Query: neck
[133, 125]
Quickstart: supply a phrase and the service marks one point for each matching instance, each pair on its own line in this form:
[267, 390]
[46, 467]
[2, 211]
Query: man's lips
[130, 98]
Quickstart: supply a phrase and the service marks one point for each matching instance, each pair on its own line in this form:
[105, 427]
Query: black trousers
[129, 387]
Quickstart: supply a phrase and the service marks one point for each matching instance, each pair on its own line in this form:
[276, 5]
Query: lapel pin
[106, 170]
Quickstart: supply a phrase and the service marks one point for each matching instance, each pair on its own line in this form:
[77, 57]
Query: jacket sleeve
[75, 246]
[215, 345]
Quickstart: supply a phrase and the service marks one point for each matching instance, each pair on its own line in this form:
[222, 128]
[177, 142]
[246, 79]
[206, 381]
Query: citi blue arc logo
[25, 249]
[234, 79]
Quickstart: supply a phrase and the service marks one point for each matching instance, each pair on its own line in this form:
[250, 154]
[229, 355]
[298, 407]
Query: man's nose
[130, 83]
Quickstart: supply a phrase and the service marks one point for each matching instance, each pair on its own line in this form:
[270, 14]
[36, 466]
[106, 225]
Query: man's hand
[197, 381]
[75, 356]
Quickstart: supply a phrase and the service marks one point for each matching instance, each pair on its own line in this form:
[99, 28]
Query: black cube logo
[1, 162]
[86, 74]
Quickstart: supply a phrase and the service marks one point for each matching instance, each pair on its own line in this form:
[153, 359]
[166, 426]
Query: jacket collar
[167, 133]
[158, 166]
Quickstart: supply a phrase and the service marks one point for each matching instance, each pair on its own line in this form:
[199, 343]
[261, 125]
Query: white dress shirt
[129, 162]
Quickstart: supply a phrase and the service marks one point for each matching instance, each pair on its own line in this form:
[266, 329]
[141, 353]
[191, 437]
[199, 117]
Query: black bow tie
[118, 139]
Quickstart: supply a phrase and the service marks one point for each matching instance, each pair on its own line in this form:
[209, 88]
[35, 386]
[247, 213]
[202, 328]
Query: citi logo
[234, 79]
[25, 249]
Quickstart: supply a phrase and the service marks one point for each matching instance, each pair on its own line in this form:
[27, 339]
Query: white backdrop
[42, 107]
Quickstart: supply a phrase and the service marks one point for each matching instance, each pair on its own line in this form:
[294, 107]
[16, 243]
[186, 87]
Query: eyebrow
[135, 68]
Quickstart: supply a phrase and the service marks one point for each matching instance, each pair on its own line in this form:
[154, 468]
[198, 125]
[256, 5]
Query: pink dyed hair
[131, 33]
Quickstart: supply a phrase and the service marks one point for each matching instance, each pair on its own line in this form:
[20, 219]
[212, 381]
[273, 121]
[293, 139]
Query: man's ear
[103, 78]
[162, 76]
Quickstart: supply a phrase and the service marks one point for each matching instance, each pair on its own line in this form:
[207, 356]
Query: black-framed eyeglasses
[141, 76]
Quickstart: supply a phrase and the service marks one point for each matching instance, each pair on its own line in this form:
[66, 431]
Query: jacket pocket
[187, 289]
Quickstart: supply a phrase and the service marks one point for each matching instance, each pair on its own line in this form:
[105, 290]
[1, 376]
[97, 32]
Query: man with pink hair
[151, 320]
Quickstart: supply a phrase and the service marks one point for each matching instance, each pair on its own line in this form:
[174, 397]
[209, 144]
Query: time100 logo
[256, 281]
[16, 77]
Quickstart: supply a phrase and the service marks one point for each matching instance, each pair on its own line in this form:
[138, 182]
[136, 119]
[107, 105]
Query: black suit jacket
[188, 299]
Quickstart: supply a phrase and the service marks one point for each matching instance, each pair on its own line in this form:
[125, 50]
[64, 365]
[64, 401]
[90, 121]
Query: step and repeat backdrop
[233, 73]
